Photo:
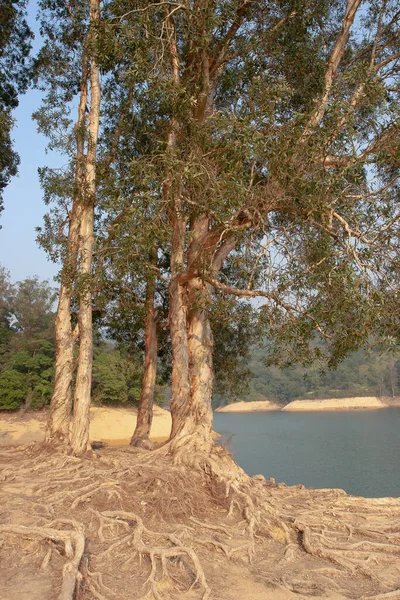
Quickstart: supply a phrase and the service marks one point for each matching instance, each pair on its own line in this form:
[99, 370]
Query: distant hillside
[359, 375]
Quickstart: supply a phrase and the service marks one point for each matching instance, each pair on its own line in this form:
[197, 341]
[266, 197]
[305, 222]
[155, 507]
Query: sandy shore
[116, 425]
[263, 405]
[369, 402]
[111, 425]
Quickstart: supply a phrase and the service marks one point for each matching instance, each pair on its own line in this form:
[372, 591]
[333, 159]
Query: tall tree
[79, 438]
[15, 45]
[67, 67]
[27, 348]
[279, 152]
[261, 138]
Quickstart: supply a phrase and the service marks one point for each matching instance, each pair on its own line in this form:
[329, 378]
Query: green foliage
[360, 374]
[27, 350]
[15, 38]
[312, 208]
[13, 389]
[117, 375]
[115, 379]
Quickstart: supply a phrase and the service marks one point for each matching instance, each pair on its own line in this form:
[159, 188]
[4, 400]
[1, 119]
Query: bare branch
[222, 47]
[334, 61]
[240, 293]
[176, 6]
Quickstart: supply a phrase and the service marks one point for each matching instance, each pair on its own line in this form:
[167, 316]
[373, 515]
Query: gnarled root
[74, 543]
[173, 548]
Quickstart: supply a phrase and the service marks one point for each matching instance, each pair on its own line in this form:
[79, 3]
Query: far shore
[328, 404]
[360, 403]
[257, 406]
[115, 425]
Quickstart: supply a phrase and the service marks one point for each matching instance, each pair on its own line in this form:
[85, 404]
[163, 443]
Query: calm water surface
[355, 451]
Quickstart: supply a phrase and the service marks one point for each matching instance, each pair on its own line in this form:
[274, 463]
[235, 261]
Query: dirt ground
[129, 524]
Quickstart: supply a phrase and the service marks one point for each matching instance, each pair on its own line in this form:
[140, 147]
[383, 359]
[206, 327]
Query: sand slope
[112, 425]
[116, 425]
[262, 405]
[335, 404]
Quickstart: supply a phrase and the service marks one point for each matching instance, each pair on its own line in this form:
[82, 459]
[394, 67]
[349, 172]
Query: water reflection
[358, 451]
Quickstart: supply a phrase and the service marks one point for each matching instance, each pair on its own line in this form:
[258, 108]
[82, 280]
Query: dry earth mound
[257, 406]
[335, 404]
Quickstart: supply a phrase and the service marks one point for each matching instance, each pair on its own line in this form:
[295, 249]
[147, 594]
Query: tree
[5, 308]
[111, 377]
[26, 361]
[280, 152]
[260, 136]
[15, 45]
[67, 30]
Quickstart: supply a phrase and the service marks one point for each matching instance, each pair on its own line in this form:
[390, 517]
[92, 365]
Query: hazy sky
[23, 204]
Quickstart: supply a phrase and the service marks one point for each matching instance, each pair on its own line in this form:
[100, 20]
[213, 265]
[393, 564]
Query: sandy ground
[335, 404]
[112, 425]
[262, 405]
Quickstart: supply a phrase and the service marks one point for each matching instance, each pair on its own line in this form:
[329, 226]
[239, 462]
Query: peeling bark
[79, 436]
[180, 383]
[61, 402]
[193, 430]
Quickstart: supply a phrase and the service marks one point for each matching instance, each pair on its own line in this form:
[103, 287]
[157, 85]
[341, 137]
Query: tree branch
[334, 61]
[263, 294]
[220, 52]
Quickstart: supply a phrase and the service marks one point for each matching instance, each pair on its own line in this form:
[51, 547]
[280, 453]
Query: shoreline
[256, 406]
[326, 405]
[114, 426]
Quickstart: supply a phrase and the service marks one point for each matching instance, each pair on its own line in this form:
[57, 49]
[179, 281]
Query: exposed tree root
[174, 548]
[74, 543]
[152, 524]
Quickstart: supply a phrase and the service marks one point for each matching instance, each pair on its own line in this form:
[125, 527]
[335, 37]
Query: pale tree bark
[79, 436]
[180, 382]
[141, 434]
[193, 431]
[61, 402]
[334, 62]
[191, 337]
[193, 417]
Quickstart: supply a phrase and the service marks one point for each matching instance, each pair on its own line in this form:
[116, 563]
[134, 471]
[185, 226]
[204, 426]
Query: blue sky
[23, 203]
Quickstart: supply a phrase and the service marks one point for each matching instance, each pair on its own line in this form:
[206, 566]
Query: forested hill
[358, 375]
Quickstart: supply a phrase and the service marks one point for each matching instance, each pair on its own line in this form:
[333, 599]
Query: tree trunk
[191, 412]
[193, 429]
[28, 401]
[61, 402]
[79, 437]
[145, 412]
[180, 383]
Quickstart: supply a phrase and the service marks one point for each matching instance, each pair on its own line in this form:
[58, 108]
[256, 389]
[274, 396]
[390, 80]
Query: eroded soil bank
[128, 523]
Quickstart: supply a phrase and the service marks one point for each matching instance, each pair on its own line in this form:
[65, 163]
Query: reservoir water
[357, 451]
